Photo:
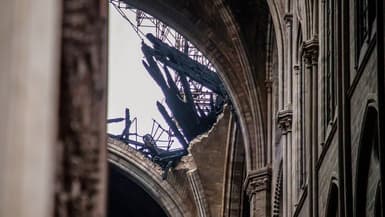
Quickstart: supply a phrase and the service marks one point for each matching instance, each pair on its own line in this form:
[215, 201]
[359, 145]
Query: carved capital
[288, 19]
[311, 50]
[284, 118]
[256, 181]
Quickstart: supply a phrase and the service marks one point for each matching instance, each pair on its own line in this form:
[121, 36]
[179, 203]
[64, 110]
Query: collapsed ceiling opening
[193, 91]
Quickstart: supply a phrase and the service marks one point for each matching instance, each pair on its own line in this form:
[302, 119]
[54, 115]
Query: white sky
[129, 84]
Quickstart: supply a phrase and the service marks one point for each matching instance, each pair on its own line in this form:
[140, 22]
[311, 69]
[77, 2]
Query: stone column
[29, 63]
[296, 133]
[315, 142]
[284, 123]
[257, 186]
[268, 85]
[284, 117]
[311, 73]
[81, 172]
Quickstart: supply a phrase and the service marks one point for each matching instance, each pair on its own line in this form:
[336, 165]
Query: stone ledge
[257, 180]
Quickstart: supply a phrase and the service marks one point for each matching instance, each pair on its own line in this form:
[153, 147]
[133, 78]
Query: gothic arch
[147, 175]
[255, 136]
[367, 150]
[227, 52]
[279, 27]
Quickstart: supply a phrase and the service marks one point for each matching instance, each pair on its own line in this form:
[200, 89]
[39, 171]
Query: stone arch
[228, 54]
[254, 138]
[125, 198]
[332, 204]
[279, 30]
[367, 151]
[147, 175]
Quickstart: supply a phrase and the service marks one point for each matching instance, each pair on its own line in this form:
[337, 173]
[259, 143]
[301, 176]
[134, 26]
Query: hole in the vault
[162, 93]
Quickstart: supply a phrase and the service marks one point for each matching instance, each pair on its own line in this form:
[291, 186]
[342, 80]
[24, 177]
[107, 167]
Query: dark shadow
[332, 204]
[127, 199]
[368, 144]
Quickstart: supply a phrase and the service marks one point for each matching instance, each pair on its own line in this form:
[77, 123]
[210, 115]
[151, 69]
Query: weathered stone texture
[365, 91]
[81, 167]
[210, 154]
[328, 170]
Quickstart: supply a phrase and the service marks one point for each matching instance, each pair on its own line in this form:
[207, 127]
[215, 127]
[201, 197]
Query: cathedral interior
[294, 124]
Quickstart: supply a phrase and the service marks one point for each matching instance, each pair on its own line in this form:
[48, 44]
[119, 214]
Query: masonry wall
[333, 149]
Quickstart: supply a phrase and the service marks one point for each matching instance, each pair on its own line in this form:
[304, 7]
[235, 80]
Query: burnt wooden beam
[180, 62]
[191, 119]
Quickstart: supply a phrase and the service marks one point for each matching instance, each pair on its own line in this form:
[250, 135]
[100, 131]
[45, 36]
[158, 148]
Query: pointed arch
[332, 205]
[367, 150]
[148, 176]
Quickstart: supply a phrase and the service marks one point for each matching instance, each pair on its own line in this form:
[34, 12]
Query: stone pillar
[316, 144]
[284, 123]
[284, 117]
[81, 162]
[298, 169]
[268, 85]
[311, 74]
[257, 186]
[29, 63]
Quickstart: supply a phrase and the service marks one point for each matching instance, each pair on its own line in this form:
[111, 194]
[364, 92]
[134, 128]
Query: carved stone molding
[268, 85]
[198, 193]
[288, 19]
[257, 180]
[311, 49]
[277, 192]
[296, 68]
[284, 118]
